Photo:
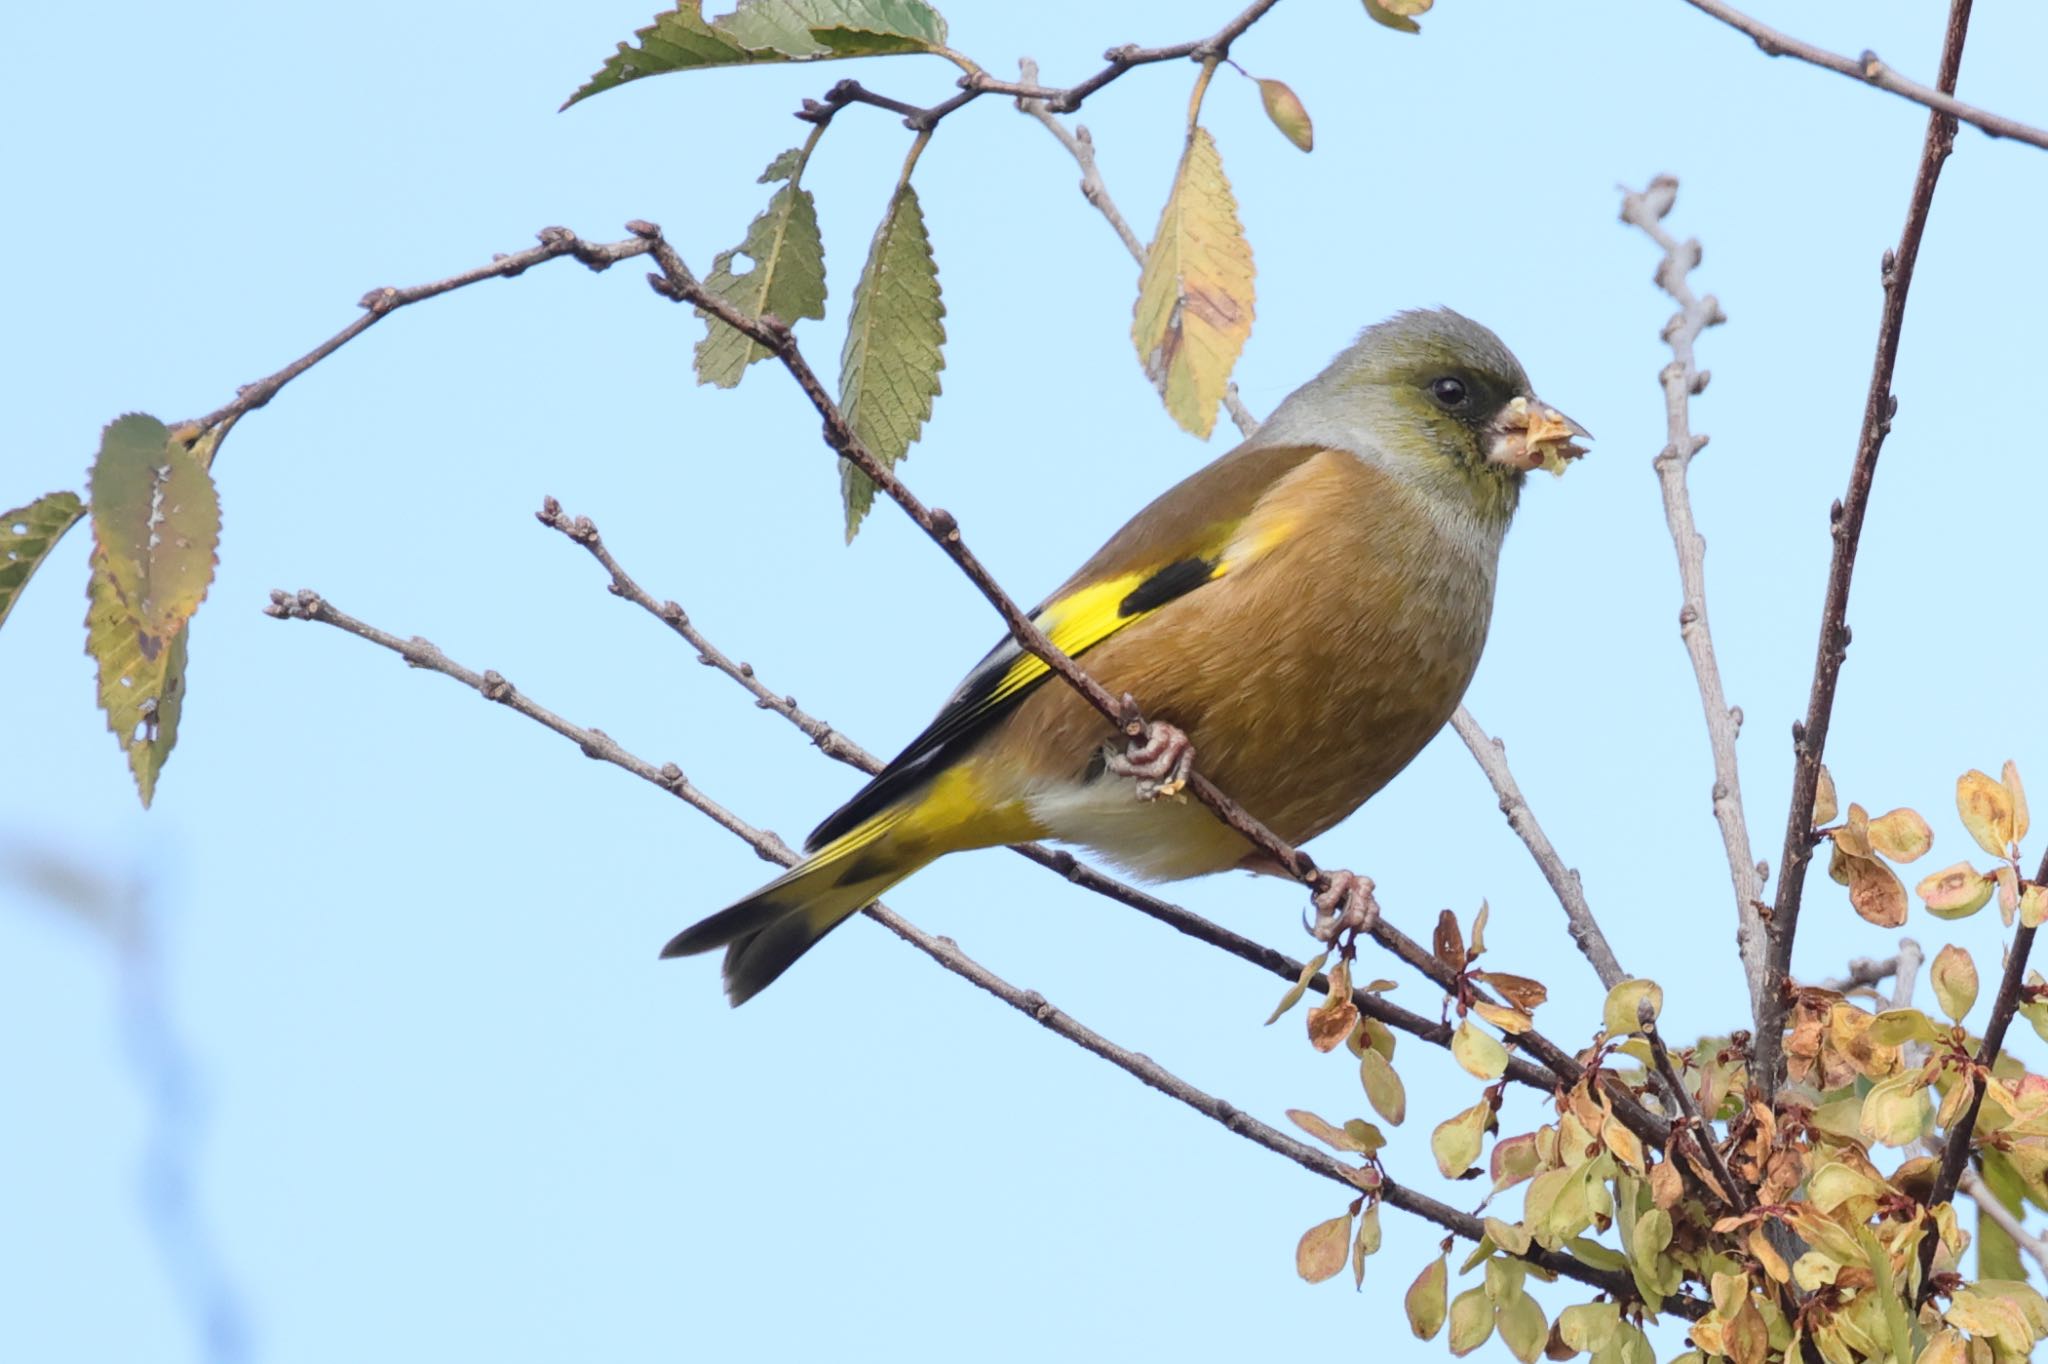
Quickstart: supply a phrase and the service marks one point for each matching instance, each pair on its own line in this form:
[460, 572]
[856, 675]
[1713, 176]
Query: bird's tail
[765, 933]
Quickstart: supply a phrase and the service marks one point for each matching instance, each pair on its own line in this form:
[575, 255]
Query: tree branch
[595, 743]
[1683, 378]
[1988, 1205]
[1868, 69]
[1121, 61]
[379, 304]
[1865, 972]
[1736, 1196]
[1809, 738]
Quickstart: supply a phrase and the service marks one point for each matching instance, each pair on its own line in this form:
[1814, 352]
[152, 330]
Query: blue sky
[448, 1103]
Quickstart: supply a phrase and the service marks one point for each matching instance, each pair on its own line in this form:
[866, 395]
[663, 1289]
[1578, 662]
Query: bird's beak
[1531, 434]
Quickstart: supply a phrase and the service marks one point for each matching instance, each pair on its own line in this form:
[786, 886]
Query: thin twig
[834, 744]
[1989, 1205]
[1863, 973]
[1082, 148]
[1809, 738]
[379, 304]
[1491, 755]
[595, 743]
[1868, 69]
[1905, 973]
[1683, 378]
[1734, 1194]
[976, 82]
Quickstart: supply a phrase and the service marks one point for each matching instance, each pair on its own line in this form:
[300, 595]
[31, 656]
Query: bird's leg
[1344, 908]
[1160, 761]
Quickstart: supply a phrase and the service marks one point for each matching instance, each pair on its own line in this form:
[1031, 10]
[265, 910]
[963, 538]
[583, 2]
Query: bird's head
[1443, 400]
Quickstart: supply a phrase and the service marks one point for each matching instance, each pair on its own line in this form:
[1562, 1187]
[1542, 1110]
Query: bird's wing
[1191, 535]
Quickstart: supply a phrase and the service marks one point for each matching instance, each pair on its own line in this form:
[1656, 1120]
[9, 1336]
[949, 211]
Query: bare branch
[834, 744]
[1683, 378]
[1905, 971]
[595, 743]
[1865, 972]
[1868, 69]
[1988, 1205]
[1809, 738]
[1491, 754]
[379, 304]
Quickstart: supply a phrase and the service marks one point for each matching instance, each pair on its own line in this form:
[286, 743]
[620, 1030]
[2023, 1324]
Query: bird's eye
[1448, 391]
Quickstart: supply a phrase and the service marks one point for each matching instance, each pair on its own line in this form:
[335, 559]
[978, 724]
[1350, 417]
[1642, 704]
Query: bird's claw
[1344, 908]
[1160, 762]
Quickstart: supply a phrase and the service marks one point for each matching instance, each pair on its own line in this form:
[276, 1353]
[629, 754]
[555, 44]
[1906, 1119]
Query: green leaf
[1424, 1302]
[1620, 1013]
[1297, 990]
[27, 535]
[889, 369]
[1954, 977]
[1457, 1140]
[156, 522]
[787, 277]
[142, 693]
[1896, 1111]
[1383, 1087]
[1394, 13]
[1288, 114]
[1194, 306]
[1471, 1321]
[1522, 1328]
[1477, 1052]
[769, 31]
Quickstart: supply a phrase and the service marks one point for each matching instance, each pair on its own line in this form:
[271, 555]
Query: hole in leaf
[742, 265]
[21, 527]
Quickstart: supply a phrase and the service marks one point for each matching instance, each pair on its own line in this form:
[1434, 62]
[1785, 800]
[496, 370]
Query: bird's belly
[1167, 839]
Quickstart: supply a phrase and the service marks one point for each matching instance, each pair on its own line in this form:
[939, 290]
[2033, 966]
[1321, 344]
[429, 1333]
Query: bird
[1301, 616]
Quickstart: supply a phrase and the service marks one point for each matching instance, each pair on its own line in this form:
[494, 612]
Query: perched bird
[1304, 614]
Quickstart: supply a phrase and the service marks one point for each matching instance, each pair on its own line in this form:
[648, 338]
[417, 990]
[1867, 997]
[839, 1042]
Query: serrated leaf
[142, 694]
[1620, 1014]
[1954, 977]
[1395, 14]
[1321, 1252]
[27, 535]
[1425, 1300]
[1194, 307]
[889, 369]
[1987, 811]
[787, 277]
[769, 31]
[1956, 892]
[1902, 835]
[1477, 1052]
[1288, 113]
[1457, 1140]
[156, 524]
[1471, 1321]
[1383, 1088]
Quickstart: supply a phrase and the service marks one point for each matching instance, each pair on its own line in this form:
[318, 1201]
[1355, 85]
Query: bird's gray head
[1441, 399]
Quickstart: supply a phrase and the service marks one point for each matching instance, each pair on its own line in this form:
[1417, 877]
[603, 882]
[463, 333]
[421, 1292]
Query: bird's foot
[1160, 762]
[1344, 909]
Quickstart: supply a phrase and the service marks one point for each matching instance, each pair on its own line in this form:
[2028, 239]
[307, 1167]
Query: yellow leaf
[1383, 1088]
[1512, 1021]
[1457, 1139]
[1521, 1326]
[1945, 1347]
[1288, 113]
[1424, 1301]
[1323, 1249]
[1987, 811]
[1901, 835]
[1955, 892]
[1396, 14]
[1588, 1326]
[1621, 1015]
[1335, 1137]
[1954, 977]
[1512, 1237]
[1366, 1243]
[1854, 835]
[2009, 778]
[1194, 306]
[1896, 1111]
[1477, 1052]
[1298, 989]
[2034, 906]
[1471, 1321]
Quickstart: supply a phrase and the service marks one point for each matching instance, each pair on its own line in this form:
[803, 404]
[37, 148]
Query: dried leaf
[1511, 1021]
[889, 367]
[1288, 113]
[1619, 1015]
[1383, 1088]
[1514, 1159]
[27, 535]
[2009, 778]
[1954, 977]
[1297, 990]
[1945, 1347]
[1987, 810]
[1478, 932]
[786, 277]
[1424, 1301]
[1335, 1137]
[1853, 836]
[1457, 1140]
[1956, 892]
[1471, 1321]
[1330, 1022]
[1194, 306]
[1447, 943]
[2008, 891]
[1824, 805]
[1477, 1052]
[1396, 14]
[1902, 835]
[1522, 992]
[1323, 1249]
[1875, 891]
